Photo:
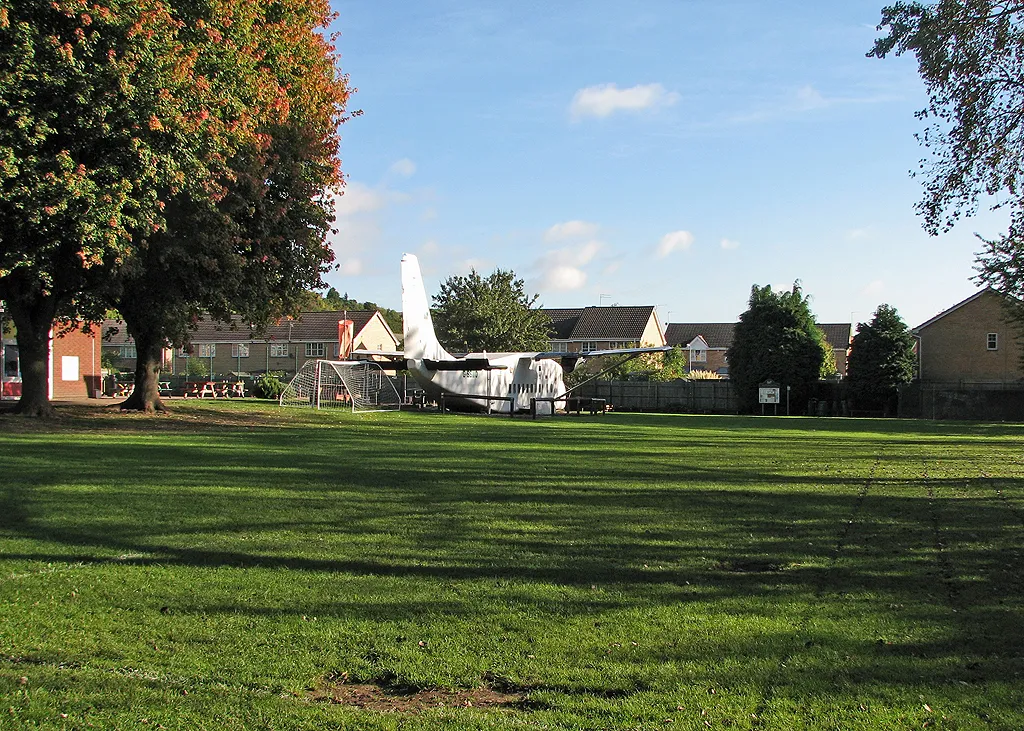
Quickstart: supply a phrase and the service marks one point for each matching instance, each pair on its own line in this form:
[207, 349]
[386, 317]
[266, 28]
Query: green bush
[197, 368]
[268, 386]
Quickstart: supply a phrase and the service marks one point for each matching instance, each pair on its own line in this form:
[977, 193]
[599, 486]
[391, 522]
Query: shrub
[703, 376]
[268, 386]
[197, 368]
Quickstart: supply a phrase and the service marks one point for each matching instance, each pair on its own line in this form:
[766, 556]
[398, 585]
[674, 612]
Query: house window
[240, 350]
[183, 353]
[699, 356]
[559, 346]
[588, 345]
[315, 350]
[206, 350]
[128, 351]
[279, 351]
[993, 341]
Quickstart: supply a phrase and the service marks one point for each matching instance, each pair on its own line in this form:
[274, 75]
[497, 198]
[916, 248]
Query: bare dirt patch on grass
[373, 697]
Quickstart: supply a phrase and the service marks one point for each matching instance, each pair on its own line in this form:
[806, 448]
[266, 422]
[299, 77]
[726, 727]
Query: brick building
[578, 329]
[74, 365]
[971, 342]
[235, 349]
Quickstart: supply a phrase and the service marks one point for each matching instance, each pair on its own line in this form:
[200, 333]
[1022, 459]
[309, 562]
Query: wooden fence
[695, 397]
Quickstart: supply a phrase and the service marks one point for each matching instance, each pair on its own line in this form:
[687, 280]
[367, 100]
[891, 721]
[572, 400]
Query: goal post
[360, 385]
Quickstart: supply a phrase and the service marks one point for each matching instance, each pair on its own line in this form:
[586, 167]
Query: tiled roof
[306, 327]
[715, 334]
[563, 321]
[837, 334]
[601, 323]
[720, 334]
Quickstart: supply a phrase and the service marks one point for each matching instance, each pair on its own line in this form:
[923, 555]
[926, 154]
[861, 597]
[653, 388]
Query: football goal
[331, 384]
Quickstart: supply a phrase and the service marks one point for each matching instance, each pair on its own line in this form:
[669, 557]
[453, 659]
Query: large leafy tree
[493, 313]
[881, 360]
[128, 122]
[254, 249]
[108, 108]
[970, 55]
[777, 339]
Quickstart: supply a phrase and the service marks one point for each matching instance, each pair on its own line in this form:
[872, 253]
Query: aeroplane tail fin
[420, 340]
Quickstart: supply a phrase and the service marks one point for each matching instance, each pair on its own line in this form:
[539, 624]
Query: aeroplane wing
[597, 353]
[381, 353]
[472, 363]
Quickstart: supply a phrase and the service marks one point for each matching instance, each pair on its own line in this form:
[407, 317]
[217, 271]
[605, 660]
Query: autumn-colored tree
[256, 248]
[124, 117]
[109, 109]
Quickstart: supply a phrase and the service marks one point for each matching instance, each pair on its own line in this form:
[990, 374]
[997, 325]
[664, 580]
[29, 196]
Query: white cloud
[562, 269]
[729, 244]
[482, 266]
[570, 230]
[807, 98]
[604, 100]
[795, 102]
[358, 198]
[351, 267]
[856, 234]
[563, 278]
[674, 241]
[404, 167]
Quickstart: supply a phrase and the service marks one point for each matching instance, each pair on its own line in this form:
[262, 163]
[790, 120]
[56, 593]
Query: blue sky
[662, 152]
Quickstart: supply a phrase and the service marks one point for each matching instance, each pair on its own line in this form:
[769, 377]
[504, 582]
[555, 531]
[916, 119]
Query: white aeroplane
[492, 382]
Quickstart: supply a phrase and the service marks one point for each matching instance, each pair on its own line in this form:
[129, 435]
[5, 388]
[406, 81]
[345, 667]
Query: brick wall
[954, 347]
[76, 365]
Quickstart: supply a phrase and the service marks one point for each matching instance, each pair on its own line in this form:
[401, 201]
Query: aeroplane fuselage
[477, 381]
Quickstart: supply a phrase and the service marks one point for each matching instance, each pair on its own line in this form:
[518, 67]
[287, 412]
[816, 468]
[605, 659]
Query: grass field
[235, 566]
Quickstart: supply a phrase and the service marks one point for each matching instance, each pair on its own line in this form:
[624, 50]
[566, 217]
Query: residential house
[707, 344]
[971, 342]
[578, 329]
[285, 345]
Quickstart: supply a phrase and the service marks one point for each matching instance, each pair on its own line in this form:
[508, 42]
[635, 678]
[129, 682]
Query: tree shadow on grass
[647, 525]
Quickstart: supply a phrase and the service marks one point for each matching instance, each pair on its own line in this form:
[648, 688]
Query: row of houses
[706, 344]
[234, 348]
[971, 342]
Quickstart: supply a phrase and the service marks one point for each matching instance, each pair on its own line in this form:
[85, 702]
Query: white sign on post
[768, 395]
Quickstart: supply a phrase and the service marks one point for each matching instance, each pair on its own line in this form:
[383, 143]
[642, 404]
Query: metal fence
[963, 401]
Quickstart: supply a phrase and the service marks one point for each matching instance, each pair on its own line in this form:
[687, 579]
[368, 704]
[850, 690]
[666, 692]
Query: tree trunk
[32, 313]
[149, 349]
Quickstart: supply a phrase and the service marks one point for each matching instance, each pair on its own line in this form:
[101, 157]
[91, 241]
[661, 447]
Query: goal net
[331, 384]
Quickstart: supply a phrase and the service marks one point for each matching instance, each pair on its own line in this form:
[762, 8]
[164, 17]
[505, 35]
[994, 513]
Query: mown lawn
[234, 566]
